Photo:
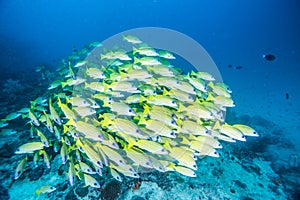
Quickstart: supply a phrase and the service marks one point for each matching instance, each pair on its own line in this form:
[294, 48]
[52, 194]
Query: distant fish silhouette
[269, 57]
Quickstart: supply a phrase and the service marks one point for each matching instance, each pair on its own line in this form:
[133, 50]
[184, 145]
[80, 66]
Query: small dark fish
[238, 67]
[230, 66]
[269, 57]
[287, 95]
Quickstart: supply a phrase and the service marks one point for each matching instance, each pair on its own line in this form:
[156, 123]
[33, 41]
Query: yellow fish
[127, 170]
[166, 54]
[203, 149]
[20, 168]
[33, 119]
[115, 174]
[91, 181]
[29, 147]
[160, 100]
[95, 73]
[180, 95]
[232, 132]
[191, 127]
[45, 189]
[183, 170]
[95, 86]
[246, 130]
[87, 129]
[44, 140]
[112, 154]
[54, 114]
[71, 173]
[150, 146]
[132, 39]
[203, 75]
[138, 158]
[120, 108]
[147, 51]
[126, 126]
[66, 110]
[146, 61]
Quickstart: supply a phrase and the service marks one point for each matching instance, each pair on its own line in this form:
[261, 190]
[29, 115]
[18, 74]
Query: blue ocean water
[236, 34]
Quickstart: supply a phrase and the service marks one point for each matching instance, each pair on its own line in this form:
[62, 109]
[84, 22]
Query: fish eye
[130, 110]
[88, 170]
[147, 163]
[121, 161]
[215, 153]
[173, 102]
[52, 188]
[95, 184]
[98, 163]
[109, 98]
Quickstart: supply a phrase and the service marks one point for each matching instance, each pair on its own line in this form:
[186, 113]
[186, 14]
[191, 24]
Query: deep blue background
[38, 31]
[236, 32]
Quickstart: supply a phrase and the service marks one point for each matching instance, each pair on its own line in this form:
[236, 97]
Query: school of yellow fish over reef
[134, 113]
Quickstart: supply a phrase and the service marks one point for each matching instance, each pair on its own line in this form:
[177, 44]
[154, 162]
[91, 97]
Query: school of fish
[132, 113]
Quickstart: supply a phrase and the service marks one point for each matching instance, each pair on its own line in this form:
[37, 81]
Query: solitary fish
[45, 189]
[269, 57]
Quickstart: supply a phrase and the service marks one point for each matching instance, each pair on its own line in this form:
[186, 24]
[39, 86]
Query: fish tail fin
[63, 84]
[142, 120]
[106, 104]
[123, 75]
[185, 141]
[142, 98]
[146, 109]
[217, 126]
[165, 91]
[134, 51]
[102, 56]
[66, 128]
[210, 84]
[86, 85]
[106, 86]
[209, 97]
[135, 60]
[70, 122]
[131, 143]
[106, 122]
[180, 107]
[59, 102]
[193, 73]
